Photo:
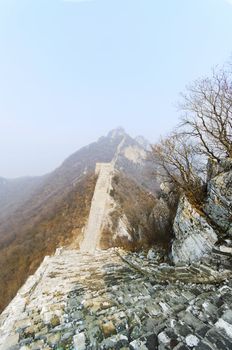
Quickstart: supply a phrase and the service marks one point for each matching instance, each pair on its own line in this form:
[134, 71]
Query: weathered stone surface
[192, 340]
[79, 341]
[194, 237]
[119, 300]
[224, 326]
[11, 340]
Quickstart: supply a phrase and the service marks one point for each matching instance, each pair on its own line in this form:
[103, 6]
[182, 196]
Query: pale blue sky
[72, 70]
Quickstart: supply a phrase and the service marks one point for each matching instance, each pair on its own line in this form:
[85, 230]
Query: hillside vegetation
[130, 225]
[58, 223]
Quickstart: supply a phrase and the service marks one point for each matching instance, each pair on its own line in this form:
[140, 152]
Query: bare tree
[207, 108]
[179, 165]
[205, 131]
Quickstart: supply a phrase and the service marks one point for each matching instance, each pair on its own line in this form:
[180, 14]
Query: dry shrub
[136, 204]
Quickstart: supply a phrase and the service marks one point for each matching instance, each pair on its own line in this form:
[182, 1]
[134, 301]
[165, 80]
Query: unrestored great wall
[92, 299]
[99, 207]
[118, 300]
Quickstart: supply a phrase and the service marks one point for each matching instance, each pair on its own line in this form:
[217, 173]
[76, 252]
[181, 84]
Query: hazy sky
[72, 70]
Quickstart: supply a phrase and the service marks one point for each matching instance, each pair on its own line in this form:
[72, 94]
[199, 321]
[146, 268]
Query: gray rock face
[194, 237]
[219, 198]
[194, 234]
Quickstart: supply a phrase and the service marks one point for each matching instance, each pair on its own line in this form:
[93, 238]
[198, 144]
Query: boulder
[79, 341]
[194, 237]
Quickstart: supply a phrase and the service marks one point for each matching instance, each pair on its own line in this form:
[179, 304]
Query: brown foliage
[38, 236]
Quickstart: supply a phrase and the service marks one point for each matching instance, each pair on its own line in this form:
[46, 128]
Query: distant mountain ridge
[37, 215]
[15, 193]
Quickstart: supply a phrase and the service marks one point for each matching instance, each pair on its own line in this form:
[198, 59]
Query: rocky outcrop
[194, 237]
[196, 232]
[219, 195]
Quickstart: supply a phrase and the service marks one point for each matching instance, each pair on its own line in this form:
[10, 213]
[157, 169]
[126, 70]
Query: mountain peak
[117, 132]
[142, 141]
